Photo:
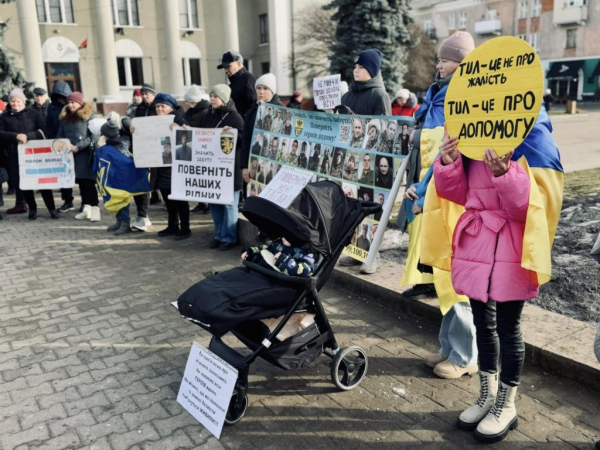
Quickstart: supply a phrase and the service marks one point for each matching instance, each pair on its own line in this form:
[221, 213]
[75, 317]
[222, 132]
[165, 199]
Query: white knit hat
[403, 93]
[268, 80]
[193, 95]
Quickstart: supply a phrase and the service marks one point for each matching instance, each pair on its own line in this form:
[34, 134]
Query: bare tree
[314, 35]
[421, 61]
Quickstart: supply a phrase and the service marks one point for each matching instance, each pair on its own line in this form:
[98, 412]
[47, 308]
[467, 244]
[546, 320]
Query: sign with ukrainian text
[206, 389]
[494, 97]
[362, 154]
[46, 164]
[203, 165]
[327, 91]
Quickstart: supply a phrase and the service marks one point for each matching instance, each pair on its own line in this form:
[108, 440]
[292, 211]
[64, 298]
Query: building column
[106, 49]
[231, 39]
[31, 42]
[174, 84]
[279, 44]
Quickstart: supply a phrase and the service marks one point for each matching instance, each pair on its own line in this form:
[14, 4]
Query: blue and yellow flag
[118, 179]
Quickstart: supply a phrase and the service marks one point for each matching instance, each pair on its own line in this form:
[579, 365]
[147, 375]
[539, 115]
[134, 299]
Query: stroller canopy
[321, 216]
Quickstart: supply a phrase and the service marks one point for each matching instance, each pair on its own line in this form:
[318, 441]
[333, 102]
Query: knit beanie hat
[148, 88]
[16, 92]
[268, 80]
[111, 128]
[403, 93]
[76, 97]
[371, 60]
[137, 92]
[222, 91]
[457, 46]
[165, 99]
[205, 96]
[193, 95]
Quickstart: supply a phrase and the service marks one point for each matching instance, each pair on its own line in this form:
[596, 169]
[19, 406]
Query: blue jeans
[123, 214]
[457, 335]
[226, 218]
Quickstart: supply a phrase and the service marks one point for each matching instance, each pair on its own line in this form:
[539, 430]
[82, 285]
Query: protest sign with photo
[328, 91]
[46, 164]
[362, 154]
[203, 165]
[495, 97]
[152, 141]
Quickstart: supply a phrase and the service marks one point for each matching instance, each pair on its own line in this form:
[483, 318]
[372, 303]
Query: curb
[556, 343]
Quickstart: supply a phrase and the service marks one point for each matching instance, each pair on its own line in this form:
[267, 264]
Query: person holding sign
[18, 126]
[222, 114]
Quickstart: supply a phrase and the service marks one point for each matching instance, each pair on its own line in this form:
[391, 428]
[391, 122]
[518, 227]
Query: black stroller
[323, 218]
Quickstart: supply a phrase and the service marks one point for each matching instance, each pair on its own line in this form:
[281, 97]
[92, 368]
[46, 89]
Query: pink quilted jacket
[488, 239]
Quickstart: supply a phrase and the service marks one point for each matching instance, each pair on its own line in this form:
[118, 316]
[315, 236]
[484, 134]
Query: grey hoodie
[368, 98]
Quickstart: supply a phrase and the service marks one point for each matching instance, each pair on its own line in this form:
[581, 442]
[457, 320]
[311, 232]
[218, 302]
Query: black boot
[53, 214]
[420, 289]
[32, 214]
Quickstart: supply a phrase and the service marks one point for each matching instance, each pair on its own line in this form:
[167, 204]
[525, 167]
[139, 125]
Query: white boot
[502, 417]
[85, 214]
[95, 214]
[470, 418]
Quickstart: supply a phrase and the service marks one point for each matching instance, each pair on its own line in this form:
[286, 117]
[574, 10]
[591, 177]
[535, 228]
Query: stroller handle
[370, 207]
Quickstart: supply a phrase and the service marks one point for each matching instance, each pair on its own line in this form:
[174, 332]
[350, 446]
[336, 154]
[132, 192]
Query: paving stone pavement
[92, 354]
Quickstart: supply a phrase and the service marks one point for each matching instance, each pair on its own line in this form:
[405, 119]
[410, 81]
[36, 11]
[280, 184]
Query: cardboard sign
[203, 165]
[327, 91]
[46, 164]
[206, 389]
[152, 145]
[495, 97]
[286, 186]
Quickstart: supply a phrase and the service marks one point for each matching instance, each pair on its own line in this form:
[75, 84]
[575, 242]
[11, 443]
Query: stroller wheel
[349, 367]
[236, 411]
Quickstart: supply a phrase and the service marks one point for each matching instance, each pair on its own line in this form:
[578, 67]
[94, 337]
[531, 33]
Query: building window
[188, 14]
[523, 9]
[55, 11]
[67, 72]
[462, 20]
[264, 28]
[125, 13]
[577, 2]
[265, 67]
[533, 40]
[191, 71]
[536, 8]
[492, 14]
[131, 72]
[452, 21]
[571, 38]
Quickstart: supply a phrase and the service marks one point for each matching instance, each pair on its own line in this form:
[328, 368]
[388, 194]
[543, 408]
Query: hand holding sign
[448, 149]
[495, 97]
[498, 166]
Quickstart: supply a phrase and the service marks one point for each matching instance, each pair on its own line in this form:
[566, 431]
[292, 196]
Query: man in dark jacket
[241, 82]
[197, 106]
[145, 109]
[367, 95]
[41, 101]
[58, 99]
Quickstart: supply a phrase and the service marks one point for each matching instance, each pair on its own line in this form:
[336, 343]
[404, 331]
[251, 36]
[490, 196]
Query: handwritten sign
[327, 91]
[495, 97]
[151, 140]
[46, 164]
[203, 165]
[206, 388]
[286, 186]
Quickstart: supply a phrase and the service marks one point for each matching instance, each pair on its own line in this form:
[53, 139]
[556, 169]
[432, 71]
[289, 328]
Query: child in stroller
[236, 300]
[281, 256]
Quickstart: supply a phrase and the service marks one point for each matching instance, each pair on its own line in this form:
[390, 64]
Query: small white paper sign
[206, 388]
[286, 186]
[152, 141]
[327, 91]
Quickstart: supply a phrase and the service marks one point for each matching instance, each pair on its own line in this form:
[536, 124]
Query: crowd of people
[480, 331]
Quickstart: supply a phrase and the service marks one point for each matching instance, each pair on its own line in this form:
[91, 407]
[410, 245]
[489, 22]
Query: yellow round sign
[494, 97]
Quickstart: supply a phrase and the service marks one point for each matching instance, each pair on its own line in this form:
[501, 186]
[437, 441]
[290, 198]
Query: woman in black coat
[223, 114]
[74, 120]
[18, 126]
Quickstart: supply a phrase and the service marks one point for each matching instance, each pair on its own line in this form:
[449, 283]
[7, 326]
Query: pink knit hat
[76, 97]
[457, 46]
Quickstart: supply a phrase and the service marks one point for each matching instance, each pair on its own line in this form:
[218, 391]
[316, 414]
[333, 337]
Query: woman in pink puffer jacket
[486, 266]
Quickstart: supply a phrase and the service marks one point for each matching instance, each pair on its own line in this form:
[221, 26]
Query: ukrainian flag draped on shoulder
[539, 156]
[118, 179]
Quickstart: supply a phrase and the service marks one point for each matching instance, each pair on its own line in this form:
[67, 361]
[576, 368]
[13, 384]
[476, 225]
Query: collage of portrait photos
[366, 154]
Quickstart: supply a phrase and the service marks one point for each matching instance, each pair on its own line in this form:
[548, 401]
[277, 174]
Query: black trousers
[89, 194]
[46, 195]
[499, 337]
[14, 177]
[142, 202]
[66, 194]
[178, 211]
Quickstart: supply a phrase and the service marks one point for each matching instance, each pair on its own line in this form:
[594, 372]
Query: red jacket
[405, 110]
